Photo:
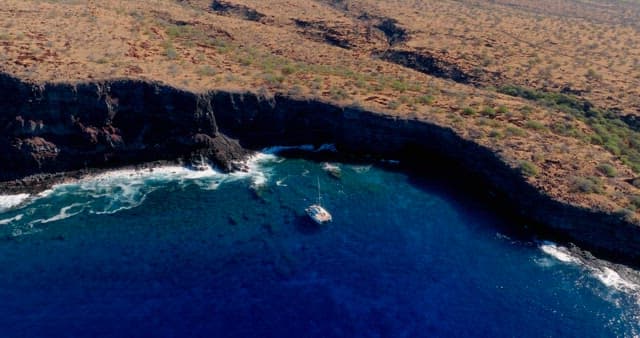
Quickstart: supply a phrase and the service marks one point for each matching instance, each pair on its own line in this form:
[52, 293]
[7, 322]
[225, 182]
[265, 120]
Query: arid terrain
[552, 86]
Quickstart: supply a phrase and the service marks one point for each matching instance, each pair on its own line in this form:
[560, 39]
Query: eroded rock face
[34, 151]
[62, 127]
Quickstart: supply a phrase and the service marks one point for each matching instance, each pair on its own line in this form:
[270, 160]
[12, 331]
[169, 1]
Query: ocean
[172, 252]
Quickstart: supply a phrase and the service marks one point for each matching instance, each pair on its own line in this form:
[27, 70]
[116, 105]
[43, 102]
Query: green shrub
[288, 70]
[587, 185]
[514, 131]
[425, 99]
[488, 112]
[246, 60]
[400, 86]
[535, 125]
[468, 111]
[526, 110]
[171, 52]
[529, 169]
[338, 93]
[609, 130]
[393, 105]
[494, 133]
[503, 110]
[607, 169]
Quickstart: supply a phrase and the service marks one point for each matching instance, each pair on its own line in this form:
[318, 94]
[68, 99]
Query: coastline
[140, 124]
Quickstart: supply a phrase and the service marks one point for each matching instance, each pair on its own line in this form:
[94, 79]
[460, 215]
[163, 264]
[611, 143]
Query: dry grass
[548, 44]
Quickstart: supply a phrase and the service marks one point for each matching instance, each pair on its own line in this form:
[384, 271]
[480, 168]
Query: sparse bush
[295, 91]
[538, 157]
[608, 170]
[494, 133]
[393, 105]
[246, 60]
[400, 86]
[529, 169]
[207, 71]
[535, 125]
[273, 79]
[170, 51]
[468, 111]
[338, 93]
[488, 112]
[288, 70]
[587, 185]
[425, 99]
[514, 131]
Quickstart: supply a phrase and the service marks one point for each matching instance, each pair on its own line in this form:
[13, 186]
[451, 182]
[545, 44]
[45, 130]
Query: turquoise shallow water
[180, 253]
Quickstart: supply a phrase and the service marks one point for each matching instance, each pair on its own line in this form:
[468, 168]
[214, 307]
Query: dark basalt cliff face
[56, 128]
[53, 128]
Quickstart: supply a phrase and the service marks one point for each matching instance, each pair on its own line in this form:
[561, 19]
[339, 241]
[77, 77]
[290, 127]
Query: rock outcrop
[52, 128]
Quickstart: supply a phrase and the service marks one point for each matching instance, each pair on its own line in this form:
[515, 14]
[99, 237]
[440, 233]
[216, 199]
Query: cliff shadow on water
[65, 127]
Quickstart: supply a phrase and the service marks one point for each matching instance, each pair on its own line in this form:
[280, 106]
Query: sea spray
[10, 201]
[114, 191]
[610, 275]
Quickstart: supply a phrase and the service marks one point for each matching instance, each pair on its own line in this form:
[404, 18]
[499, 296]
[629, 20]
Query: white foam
[281, 183]
[255, 170]
[118, 190]
[545, 262]
[612, 279]
[558, 252]
[63, 214]
[11, 220]
[598, 269]
[45, 193]
[10, 201]
[330, 167]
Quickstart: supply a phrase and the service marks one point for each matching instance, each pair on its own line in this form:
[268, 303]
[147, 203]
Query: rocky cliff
[63, 127]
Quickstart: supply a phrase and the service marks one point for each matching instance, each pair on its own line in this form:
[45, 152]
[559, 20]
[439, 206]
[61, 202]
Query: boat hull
[319, 214]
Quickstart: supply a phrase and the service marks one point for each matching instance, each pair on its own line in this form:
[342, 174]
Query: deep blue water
[176, 253]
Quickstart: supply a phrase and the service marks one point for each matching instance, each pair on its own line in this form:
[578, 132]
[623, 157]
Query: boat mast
[319, 197]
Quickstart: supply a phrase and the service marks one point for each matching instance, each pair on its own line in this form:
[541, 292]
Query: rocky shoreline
[55, 132]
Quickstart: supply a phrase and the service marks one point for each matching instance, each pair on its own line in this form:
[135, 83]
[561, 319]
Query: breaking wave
[618, 278]
[115, 191]
[10, 201]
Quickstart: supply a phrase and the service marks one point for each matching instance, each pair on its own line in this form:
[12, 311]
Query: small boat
[318, 213]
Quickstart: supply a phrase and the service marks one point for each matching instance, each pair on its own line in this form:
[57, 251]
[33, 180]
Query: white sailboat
[318, 213]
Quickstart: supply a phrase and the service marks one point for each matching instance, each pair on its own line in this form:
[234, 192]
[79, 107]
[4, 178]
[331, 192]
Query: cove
[173, 252]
